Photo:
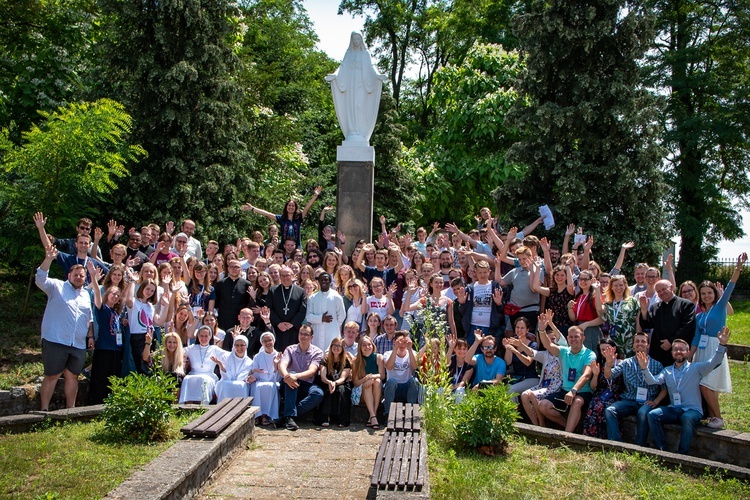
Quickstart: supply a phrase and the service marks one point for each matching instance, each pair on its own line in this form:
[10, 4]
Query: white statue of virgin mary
[356, 88]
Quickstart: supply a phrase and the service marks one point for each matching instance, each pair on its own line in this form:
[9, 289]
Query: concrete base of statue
[354, 200]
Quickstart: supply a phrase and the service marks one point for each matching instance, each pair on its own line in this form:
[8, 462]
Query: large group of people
[314, 326]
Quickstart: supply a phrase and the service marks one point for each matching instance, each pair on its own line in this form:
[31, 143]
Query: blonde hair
[177, 363]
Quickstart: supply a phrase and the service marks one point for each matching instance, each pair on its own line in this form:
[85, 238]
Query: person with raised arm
[566, 406]
[551, 378]
[67, 329]
[291, 220]
[708, 324]
[638, 398]
[585, 309]
[401, 368]
[488, 368]
[480, 303]
[682, 379]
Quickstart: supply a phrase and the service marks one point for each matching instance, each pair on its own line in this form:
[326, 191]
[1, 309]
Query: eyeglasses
[336, 346]
[488, 347]
[84, 228]
[584, 279]
[304, 334]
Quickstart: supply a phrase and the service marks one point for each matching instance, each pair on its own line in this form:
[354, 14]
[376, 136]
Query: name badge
[118, 339]
[546, 383]
[703, 341]
[677, 399]
[641, 394]
[572, 375]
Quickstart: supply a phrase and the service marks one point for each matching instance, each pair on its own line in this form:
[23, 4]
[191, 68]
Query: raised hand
[589, 243]
[478, 336]
[435, 226]
[382, 219]
[341, 236]
[452, 340]
[542, 323]
[724, 335]
[595, 369]
[265, 314]
[98, 233]
[628, 245]
[642, 358]
[545, 244]
[669, 262]
[643, 301]
[327, 208]
[51, 252]
[169, 227]
[252, 292]
[609, 353]
[451, 228]
[570, 229]
[497, 296]
[392, 289]
[741, 259]
[318, 190]
[111, 228]
[40, 220]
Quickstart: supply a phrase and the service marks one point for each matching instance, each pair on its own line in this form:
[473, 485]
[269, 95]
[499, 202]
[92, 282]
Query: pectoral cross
[286, 310]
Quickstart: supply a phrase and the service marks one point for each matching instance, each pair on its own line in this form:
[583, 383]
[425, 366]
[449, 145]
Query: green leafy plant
[485, 418]
[139, 408]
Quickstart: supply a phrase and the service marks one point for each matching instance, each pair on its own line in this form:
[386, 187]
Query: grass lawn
[71, 460]
[739, 322]
[534, 471]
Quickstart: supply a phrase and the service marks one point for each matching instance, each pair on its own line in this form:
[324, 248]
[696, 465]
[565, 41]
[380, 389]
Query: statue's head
[356, 42]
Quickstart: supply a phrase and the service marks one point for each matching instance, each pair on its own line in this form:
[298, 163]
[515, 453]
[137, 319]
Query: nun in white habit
[265, 389]
[235, 370]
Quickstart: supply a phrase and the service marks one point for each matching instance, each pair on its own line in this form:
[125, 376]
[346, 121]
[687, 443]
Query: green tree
[702, 64]
[65, 166]
[589, 144]
[463, 158]
[174, 64]
[293, 128]
[44, 55]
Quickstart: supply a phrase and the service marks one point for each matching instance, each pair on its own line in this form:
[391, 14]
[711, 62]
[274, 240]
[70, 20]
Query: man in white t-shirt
[400, 365]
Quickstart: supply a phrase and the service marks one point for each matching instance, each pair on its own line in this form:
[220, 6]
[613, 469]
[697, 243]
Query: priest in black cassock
[288, 310]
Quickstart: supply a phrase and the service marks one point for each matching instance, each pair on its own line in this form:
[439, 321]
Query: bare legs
[712, 401]
[372, 396]
[547, 410]
[48, 388]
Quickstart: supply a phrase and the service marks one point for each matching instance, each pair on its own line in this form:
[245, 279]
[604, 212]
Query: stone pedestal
[354, 201]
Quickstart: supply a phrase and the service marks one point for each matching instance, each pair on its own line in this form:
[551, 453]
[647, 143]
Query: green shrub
[139, 408]
[485, 418]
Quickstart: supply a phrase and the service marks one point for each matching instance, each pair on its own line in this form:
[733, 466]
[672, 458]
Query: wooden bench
[218, 418]
[401, 461]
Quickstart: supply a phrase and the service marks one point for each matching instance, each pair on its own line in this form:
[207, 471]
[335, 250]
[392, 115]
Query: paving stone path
[312, 462]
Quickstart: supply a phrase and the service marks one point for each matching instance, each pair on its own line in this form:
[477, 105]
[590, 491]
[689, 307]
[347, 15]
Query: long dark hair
[600, 357]
[297, 214]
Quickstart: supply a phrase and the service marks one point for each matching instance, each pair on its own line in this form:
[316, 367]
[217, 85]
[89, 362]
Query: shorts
[56, 358]
[558, 400]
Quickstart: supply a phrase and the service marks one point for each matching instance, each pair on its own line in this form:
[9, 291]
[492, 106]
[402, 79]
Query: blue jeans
[469, 336]
[304, 398]
[407, 392]
[669, 415]
[614, 412]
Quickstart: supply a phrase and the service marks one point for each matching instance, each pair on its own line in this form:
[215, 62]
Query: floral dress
[607, 392]
[551, 379]
[558, 302]
[621, 316]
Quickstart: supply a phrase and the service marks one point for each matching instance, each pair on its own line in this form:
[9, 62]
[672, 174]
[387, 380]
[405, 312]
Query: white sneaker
[716, 423]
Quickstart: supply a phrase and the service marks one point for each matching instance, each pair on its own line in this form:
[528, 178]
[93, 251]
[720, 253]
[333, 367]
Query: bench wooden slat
[211, 423]
[408, 424]
[376, 472]
[388, 462]
[400, 417]
[417, 418]
[422, 461]
[225, 419]
[392, 416]
[188, 428]
[414, 464]
[397, 457]
[406, 460]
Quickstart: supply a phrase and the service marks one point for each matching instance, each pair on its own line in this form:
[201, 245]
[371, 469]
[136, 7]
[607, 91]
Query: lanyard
[580, 305]
[674, 377]
[616, 312]
[705, 320]
[457, 375]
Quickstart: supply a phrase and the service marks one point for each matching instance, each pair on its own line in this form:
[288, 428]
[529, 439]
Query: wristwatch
[574, 391]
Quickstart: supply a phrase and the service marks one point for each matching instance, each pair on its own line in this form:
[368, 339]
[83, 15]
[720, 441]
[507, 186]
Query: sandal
[266, 420]
[376, 425]
[368, 424]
